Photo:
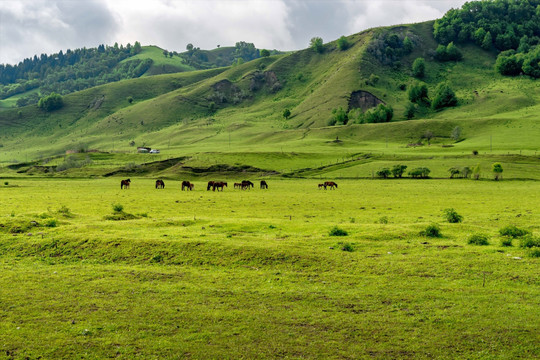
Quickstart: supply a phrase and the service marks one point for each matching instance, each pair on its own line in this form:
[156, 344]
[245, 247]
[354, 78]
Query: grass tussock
[513, 231]
[432, 230]
[478, 239]
[336, 231]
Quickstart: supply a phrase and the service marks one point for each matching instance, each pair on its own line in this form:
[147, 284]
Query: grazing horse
[322, 186]
[218, 185]
[264, 185]
[160, 184]
[187, 184]
[237, 185]
[331, 184]
[246, 184]
[210, 185]
[124, 184]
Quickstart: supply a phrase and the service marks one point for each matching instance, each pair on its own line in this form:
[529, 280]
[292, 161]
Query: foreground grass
[255, 274]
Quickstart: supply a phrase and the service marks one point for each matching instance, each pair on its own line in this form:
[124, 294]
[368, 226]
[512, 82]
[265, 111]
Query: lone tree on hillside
[428, 135]
[343, 43]
[286, 113]
[497, 171]
[265, 53]
[52, 102]
[316, 44]
[444, 97]
[418, 93]
[419, 68]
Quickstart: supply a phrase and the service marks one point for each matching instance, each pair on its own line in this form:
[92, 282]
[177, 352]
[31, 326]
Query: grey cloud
[34, 27]
[29, 27]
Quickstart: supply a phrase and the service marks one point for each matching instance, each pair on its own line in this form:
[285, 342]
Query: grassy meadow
[90, 271]
[257, 274]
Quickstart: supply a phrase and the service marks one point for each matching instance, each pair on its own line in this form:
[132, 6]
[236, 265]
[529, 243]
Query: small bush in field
[117, 208]
[335, 231]
[513, 231]
[452, 216]
[347, 247]
[65, 211]
[530, 241]
[535, 253]
[506, 241]
[432, 230]
[51, 223]
[478, 239]
[383, 220]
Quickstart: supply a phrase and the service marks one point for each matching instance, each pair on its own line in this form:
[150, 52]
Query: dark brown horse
[218, 185]
[237, 185]
[160, 184]
[264, 185]
[331, 184]
[187, 184]
[246, 184]
[210, 185]
[322, 186]
[124, 184]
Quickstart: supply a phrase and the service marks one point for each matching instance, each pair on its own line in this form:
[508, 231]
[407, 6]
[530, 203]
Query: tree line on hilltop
[73, 70]
[511, 28]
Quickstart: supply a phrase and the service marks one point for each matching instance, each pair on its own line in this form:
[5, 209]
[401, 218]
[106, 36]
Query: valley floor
[88, 270]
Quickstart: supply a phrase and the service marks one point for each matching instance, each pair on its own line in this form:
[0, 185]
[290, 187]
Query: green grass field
[256, 274]
[259, 274]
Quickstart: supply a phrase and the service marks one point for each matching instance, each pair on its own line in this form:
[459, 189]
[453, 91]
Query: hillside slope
[241, 107]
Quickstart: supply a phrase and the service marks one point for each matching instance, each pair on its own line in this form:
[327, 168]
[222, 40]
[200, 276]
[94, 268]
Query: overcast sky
[33, 27]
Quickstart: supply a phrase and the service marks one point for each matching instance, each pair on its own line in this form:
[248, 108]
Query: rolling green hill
[240, 109]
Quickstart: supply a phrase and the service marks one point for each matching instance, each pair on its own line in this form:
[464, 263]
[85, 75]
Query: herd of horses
[219, 185]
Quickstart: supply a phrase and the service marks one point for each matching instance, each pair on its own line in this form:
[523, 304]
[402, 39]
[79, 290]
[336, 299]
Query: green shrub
[506, 241]
[398, 170]
[421, 172]
[316, 43]
[6, 183]
[384, 173]
[452, 216]
[381, 113]
[347, 247]
[383, 220]
[529, 241]
[117, 208]
[419, 68]
[535, 253]
[339, 116]
[513, 231]
[444, 97]
[51, 102]
[65, 211]
[432, 230]
[418, 93]
[478, 239]
[343, 43]
[51, 223]
[335, 231]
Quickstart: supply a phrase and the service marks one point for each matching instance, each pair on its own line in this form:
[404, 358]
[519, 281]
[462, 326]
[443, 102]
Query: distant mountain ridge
[79, 69]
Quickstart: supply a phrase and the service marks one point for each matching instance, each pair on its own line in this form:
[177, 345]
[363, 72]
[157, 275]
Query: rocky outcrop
[363, 100]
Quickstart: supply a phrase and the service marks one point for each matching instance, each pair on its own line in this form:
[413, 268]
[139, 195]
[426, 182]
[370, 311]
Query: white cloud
[29, 27]
[174, 24]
